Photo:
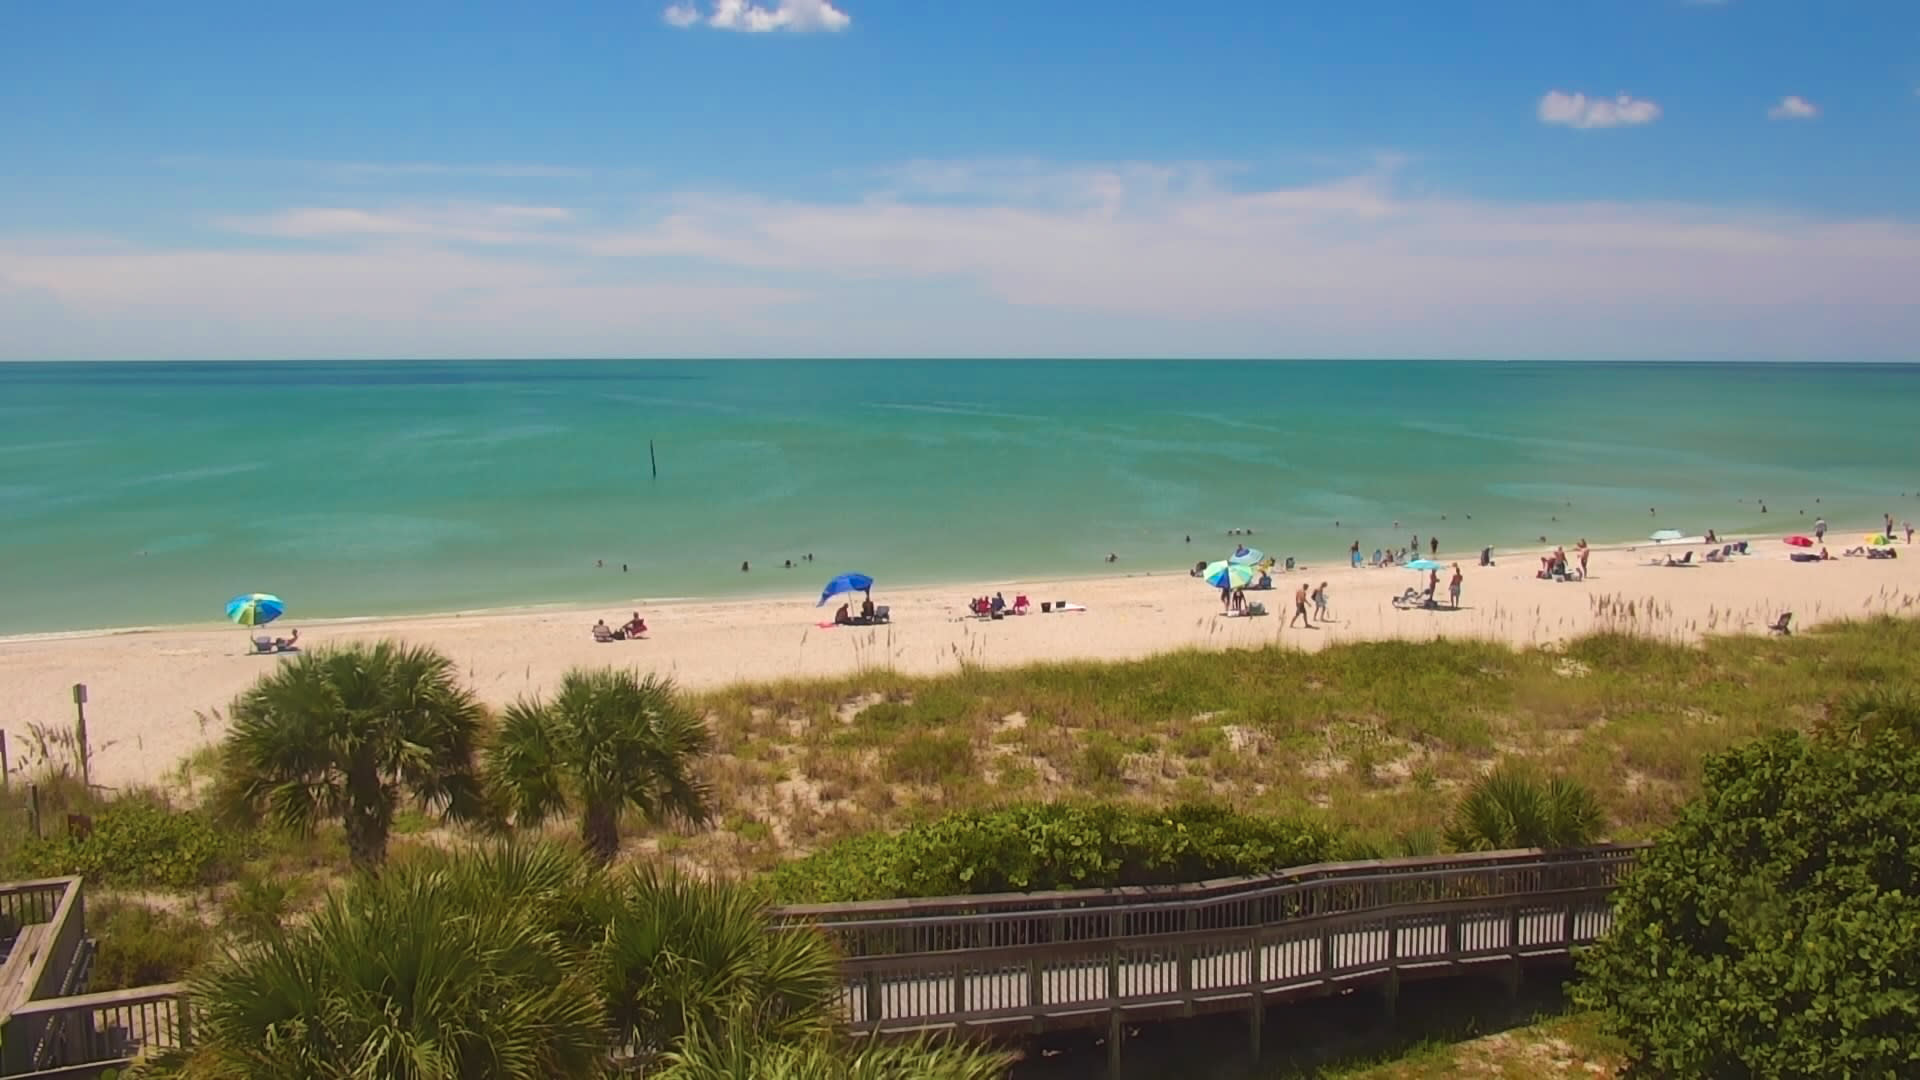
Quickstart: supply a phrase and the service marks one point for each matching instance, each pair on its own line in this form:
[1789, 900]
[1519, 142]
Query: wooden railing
[1036, 960]
[46, 961]
[104, 1028]
[1041, 959]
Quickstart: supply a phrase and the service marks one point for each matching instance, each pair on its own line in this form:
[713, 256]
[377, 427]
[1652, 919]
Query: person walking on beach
[1819, 530]
[1300, 607]
[1453, 587]
[1582, 548]
[1909, 532]
[1320, 602]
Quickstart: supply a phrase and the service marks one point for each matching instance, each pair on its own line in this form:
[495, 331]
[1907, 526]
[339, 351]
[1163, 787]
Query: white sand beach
[157, 695]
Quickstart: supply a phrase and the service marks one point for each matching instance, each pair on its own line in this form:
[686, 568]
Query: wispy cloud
[1793, 107]
[380, 170]
[998, 258]
[466, 222]
[797, 16]
[502, 170]
[1580, 111]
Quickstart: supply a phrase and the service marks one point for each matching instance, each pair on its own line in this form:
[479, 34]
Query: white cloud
[1580, 111]
[991, 258]
[467, 222]
[1793, 107]
[798, 16]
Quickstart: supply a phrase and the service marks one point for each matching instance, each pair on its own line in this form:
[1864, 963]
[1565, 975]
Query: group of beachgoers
[869, 614]
[1391, 556]
[631, 630]
[1414, 598]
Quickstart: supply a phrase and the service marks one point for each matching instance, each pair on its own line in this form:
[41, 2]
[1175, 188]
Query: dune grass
[1376, 738]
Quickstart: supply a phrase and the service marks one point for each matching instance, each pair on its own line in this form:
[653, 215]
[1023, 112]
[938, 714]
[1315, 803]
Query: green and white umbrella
[1227, 574]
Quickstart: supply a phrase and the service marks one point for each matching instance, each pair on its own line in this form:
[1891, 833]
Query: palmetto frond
[684, 955]
[1511, 807]
[739, 1051]
[442, 968]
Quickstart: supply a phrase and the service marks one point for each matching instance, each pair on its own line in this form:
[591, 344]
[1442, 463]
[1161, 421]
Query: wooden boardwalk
[1030, 963]
[1033, 962]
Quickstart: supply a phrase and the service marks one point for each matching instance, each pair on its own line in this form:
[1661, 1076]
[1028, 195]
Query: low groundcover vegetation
[1776, 775]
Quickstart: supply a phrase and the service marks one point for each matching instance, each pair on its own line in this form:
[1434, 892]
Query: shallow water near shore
[136, 494]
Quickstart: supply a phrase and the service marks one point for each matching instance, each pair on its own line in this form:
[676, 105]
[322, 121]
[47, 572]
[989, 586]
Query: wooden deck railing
[1037, 960]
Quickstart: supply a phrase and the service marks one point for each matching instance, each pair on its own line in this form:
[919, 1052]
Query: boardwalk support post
[1390, 995]
[1116, 1034]
[1257, 1013]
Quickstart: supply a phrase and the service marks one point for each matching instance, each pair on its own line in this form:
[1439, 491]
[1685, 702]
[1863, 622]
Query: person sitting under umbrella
[843, 617]
[866, 609]
[290, 643]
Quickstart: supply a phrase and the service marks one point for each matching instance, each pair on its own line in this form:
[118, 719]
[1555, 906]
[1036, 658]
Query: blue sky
[1645, 179]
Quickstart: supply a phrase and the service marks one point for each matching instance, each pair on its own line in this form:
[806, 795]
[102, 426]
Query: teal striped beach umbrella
[1228, 575]
[255, 609]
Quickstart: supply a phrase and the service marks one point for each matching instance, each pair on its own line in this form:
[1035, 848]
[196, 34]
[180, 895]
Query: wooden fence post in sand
[80, 733]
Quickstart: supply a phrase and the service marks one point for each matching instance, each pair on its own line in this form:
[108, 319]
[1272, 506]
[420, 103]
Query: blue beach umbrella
[1228, 575]
[843, 584]
[1248, 556]
[255, 609]
[1424, 564]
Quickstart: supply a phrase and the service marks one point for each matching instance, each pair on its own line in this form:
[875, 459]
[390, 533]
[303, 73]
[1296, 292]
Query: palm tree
[1511, 807]
[346, 733]
[444, 967]
[681, 957]
[609, 740]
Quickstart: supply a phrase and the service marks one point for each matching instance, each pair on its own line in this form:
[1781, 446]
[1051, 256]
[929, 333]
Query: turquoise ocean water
[136, 494]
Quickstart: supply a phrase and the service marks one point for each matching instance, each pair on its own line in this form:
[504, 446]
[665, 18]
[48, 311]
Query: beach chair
[1783, 625]
[1409, 599]
[882, 613]
[603, 633]
[1255, 607]
[1021, 604]
[262, 644]
[1716, 556]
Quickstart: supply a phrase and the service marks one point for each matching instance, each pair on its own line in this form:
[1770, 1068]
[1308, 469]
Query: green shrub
[1199, 742]
[1774, 930]
[1050, 846]
[1103, 761]
[138, 843]
[140, 945]
[929, 757]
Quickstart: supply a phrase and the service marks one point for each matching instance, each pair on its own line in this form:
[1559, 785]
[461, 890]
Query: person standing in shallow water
[1433, 545]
